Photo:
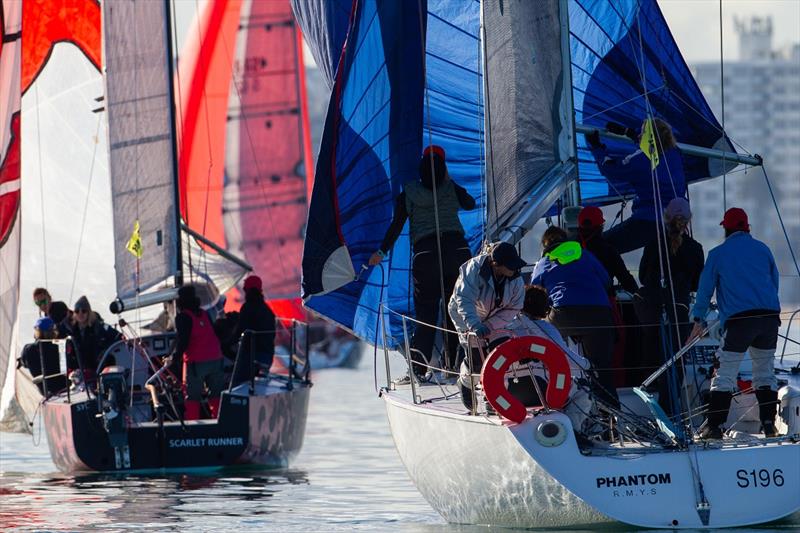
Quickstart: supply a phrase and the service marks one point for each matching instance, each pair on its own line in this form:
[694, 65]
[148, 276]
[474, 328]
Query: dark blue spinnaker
[386, 104]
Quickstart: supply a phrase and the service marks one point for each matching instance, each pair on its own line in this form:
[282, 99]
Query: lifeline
[633, 480]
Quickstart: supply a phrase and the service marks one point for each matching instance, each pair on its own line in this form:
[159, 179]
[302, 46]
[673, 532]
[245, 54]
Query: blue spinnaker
[387, 104]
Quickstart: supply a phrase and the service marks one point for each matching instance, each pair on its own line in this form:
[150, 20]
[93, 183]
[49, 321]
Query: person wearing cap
[42, 357]
[577, 285]
[743, 274]
[487, 296]
[90, 338]
[590, 233]
[634, 172]
[669, 271]
[420, 202]
[199, 348]
[256, 328]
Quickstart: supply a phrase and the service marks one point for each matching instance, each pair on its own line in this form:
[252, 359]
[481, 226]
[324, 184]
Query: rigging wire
[85, 208]
[694, 460]
[179, 133]
[251, 145]
[208, 136]
[41, 183]
[722, 100]
[434, 179]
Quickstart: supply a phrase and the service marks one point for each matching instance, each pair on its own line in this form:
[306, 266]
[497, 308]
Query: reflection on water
[154, 502]
[347, 477]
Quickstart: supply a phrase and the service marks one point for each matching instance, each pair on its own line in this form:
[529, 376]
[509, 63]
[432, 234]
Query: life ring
[512, 351]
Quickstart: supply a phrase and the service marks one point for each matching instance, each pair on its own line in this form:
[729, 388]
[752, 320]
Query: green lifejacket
[421, 217]
[565, 253]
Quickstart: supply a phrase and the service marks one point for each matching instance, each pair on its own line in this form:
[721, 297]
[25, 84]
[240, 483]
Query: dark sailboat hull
[261, 429]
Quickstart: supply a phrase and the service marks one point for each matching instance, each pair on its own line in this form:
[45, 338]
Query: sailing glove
[619, 129]
[593, 139]
[482, 331]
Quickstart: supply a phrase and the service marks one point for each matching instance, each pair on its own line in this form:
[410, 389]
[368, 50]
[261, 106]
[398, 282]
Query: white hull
[472, 470]
[478, 470]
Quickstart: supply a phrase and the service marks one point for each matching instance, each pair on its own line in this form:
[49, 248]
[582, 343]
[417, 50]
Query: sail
[10, 58]
[268, 160]
[325, 22]
[528, 109]
[65, 209]
[626, 66]
[139, 106]
[245, 148]
[360, 169]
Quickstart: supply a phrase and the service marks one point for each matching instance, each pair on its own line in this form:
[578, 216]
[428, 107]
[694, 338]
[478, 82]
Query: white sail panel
[139, 105]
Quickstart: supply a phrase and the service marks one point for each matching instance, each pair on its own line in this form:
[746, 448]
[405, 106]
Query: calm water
[348, 477]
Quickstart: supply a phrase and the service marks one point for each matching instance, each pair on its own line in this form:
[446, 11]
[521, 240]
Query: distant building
[762, 114]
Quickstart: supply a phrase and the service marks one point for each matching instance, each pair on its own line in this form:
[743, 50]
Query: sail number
[759, 478]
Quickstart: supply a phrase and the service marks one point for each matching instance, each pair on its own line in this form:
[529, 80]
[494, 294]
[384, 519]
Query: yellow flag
[134, 245]
[648, 143]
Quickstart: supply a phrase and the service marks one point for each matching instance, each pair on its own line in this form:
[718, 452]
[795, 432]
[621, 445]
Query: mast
[174, 142]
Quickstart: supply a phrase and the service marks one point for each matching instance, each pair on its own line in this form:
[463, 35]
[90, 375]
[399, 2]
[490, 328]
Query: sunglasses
[81, 311]
[41, 302]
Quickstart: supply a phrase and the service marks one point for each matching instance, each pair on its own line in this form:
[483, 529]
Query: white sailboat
[544, 72]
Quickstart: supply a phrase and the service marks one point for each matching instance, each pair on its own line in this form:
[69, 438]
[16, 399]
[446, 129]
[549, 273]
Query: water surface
[348, 477]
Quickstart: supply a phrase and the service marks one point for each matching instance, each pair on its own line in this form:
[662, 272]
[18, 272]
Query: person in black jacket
[255, 316]
[42, 358]
[590, 231]
[92, 337]
[669, 271]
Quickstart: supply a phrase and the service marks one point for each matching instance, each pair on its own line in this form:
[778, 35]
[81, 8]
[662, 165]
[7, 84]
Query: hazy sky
[695, 24]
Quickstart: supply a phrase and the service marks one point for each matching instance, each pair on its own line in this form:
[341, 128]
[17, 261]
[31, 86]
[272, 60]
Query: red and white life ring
[510, 352]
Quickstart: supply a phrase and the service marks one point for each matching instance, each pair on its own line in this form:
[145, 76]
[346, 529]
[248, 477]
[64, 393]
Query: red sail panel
[203, 90]
[268, 152]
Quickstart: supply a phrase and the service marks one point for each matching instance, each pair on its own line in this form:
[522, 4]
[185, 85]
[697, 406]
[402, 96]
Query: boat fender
[551, 433]
[513, 350]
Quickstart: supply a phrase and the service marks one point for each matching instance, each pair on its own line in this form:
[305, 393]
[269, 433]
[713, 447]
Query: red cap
[735, 219]
[438, 150]
[252, 282]
[590, 217]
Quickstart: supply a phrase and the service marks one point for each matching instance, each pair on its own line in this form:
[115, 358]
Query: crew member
[91, 337]
[635, 172]
[744, 276]
[200, 350]
[590, 233]
[531, 321]
[487, 296]
[256, 327]
[41, 358]
[42, 300]
[420, 202]
[669, 271]
[578, 285]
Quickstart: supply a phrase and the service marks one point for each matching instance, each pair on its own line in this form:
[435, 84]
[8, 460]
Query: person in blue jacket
[577, 284]
[744, 276]
[634, 172]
